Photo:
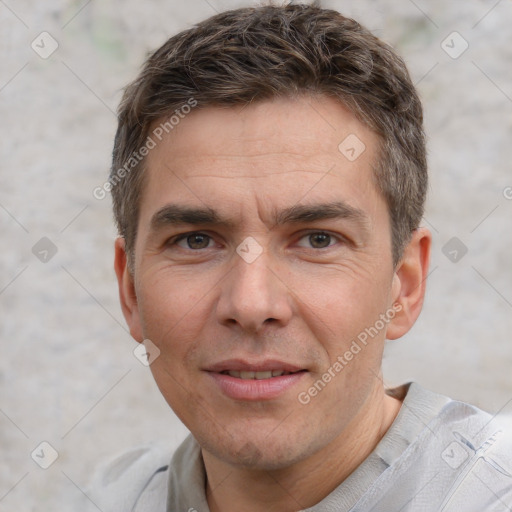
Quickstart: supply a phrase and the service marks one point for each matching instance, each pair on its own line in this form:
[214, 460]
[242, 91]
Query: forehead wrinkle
[198, 159]
[253, 176]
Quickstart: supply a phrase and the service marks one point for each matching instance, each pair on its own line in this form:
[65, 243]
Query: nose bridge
[252, 294]
[254, 278]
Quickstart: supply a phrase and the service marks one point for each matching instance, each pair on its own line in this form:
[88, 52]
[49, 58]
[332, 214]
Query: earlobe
[127, 295]
[409, 283]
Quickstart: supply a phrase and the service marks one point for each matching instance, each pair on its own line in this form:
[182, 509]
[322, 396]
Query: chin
[255, 452]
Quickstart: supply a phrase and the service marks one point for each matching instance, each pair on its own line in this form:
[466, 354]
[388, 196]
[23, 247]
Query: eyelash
[174, 241]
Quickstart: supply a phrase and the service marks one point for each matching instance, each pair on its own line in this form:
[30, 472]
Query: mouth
[254, 375]
[255, 381]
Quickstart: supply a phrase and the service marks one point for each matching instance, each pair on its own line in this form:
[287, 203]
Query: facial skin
[302, 301]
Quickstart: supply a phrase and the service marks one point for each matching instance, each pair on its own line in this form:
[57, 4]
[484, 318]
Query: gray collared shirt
[438, 455]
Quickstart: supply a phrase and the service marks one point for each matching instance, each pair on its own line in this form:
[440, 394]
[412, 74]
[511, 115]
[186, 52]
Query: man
[269, 178]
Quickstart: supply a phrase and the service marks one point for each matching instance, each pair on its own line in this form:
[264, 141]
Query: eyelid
[173, 241]
[339, 238]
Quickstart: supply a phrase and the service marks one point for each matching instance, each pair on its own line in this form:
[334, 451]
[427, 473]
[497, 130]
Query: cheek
[173, 316]
[340, 301]
[172, 311]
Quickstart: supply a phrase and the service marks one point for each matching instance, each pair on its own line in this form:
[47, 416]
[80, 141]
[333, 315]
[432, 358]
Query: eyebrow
[174, 214]
[310, 213]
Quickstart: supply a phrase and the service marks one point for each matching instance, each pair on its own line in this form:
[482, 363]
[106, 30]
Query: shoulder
[472, 451]
[480, 455]
[467, 435]
[134, 480]
[458, 458]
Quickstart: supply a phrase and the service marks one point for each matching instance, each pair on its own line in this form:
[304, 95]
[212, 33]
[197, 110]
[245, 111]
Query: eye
[194, 241]
[317, 240]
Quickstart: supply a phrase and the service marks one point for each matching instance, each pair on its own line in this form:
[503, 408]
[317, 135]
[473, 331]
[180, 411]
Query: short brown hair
[255, 54]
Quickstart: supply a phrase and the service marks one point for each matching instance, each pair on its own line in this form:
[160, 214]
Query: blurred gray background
[68, 375]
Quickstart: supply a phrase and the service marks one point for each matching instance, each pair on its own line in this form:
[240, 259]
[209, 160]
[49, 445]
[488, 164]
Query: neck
[307, 482]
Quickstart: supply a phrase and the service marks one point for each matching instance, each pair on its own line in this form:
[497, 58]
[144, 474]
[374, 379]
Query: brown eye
[198, 241]
[194, 241]
[319, 240]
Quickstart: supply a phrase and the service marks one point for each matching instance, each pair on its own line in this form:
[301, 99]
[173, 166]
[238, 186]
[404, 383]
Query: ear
[127, 293]
[409, 283]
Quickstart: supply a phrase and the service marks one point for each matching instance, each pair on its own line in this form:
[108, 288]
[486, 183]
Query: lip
[254, 389]
[255, 366]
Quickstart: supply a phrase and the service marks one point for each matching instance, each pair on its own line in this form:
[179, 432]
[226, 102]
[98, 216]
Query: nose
[254, 295]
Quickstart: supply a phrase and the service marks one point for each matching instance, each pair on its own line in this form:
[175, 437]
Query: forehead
[297, 126]
[279, 150]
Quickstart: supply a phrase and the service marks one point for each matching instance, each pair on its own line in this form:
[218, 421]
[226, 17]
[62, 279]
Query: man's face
[267, 278]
